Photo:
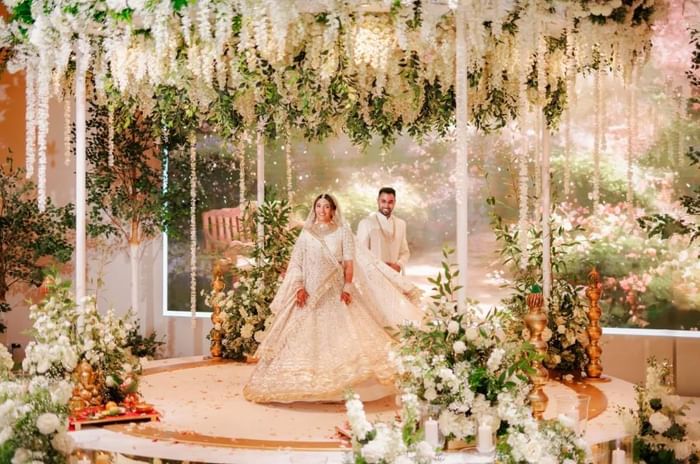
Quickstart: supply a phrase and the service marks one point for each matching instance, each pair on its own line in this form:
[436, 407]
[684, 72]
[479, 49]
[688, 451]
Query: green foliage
[27, 405]
[567, 320]
[143, 347]
[666, 225]
[28, 237]
[246, 308]
[127, 198]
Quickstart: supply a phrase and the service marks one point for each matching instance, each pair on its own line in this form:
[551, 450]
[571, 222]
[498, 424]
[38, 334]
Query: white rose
[48, 423]
[533, 451]
[430, 394]
[22, 456]
[561, 329]
[682, 449]
[5, 434]
[453, 327]
[674, 402]
[459, 347]
[43, 365]
[63, 442]
[471, 333]
[659, 422]
[62, 392]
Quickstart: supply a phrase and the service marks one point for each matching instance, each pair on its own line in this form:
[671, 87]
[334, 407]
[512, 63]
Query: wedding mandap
[544, 156]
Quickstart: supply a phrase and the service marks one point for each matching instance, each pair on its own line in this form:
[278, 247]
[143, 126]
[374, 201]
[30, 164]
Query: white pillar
[261, 171]
[80, 178]
[546, 199]
[461, 161]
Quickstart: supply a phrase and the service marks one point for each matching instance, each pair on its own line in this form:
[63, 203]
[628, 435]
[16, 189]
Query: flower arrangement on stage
[400, 442]
[246, 307]
[66, 334]
[34, 420]
[466, 372]
[565, 335]
[663, 434]
[465, 368]
[541, 442]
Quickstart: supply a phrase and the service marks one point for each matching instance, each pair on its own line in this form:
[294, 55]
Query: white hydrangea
[459, 347]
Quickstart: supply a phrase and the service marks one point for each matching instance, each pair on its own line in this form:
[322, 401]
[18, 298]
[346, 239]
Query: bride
[332, 312]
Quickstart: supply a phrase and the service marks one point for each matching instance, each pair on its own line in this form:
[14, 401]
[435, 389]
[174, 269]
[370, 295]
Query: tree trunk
[134, 259]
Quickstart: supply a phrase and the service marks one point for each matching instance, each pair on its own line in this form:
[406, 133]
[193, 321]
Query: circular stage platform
[206, 419]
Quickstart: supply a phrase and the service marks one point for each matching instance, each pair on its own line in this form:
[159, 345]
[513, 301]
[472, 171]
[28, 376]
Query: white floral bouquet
[400, 442]
[541, 442]
[34, 421]
[466, 372]
[66, 333]
[464, 367]
[663, 433]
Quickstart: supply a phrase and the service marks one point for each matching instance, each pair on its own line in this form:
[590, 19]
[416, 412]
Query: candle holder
[486, 435]
[536, 321]
[594, 368]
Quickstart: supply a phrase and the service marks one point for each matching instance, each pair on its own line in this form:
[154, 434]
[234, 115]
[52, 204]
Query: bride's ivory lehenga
[321, 350]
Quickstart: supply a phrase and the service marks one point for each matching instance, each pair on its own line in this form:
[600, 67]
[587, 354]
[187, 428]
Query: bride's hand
[346, 298]
[302, 295]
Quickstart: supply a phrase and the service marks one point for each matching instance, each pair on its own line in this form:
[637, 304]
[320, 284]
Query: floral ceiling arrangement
[365, 68]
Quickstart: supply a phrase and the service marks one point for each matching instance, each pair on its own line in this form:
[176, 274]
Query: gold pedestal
[594, 368]
[216, 333]
[536, 321]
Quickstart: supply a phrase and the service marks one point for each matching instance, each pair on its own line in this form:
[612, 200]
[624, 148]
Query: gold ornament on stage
[536, 321]
[87, 390]
[594, 368]
[218, 286]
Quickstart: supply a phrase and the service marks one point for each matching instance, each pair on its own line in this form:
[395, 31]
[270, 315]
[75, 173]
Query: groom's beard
[385, 213]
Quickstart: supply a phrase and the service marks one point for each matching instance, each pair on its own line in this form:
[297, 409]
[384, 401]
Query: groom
[383, 233]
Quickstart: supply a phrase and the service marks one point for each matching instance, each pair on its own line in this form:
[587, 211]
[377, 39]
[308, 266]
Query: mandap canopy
[364, 68]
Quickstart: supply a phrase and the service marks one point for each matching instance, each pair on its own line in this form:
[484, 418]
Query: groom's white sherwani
[385, 238]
